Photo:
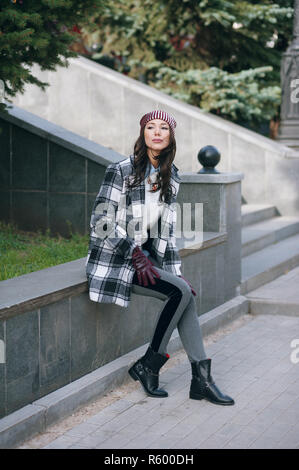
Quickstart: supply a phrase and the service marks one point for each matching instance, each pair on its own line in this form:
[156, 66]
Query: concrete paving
[255, 359]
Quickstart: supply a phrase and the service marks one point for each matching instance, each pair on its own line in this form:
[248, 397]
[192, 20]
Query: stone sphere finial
[208, 157]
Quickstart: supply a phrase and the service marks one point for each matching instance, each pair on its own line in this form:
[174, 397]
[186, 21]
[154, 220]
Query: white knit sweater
[152, 207]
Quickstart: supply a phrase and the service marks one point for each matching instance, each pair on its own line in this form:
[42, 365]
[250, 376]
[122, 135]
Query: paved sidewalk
[255, 364]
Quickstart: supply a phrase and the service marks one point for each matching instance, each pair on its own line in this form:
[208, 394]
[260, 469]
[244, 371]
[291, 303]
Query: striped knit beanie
[163, 115]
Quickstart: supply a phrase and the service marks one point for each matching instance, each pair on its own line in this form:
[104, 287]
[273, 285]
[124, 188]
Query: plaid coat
[116, 213]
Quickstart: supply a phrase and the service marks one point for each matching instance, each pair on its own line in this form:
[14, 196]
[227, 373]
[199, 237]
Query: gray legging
[178, 310]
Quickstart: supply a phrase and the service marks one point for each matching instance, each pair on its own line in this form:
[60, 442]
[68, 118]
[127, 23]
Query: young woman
[141, 190]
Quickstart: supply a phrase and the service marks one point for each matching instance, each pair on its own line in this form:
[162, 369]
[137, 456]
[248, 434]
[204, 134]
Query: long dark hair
[166, 158]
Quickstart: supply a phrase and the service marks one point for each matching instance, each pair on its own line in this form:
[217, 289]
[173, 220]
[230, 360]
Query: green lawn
[23, 252]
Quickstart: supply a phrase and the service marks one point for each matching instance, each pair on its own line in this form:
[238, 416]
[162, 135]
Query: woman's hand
[144, 268]
[192, 290]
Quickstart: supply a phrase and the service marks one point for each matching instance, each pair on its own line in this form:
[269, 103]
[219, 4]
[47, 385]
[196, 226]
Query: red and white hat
[163, 115]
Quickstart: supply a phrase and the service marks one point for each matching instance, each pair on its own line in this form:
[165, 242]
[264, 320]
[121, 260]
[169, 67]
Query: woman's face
[156, 135]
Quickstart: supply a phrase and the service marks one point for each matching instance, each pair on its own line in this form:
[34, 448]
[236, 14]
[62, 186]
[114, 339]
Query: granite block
[55, 345]
[109, 342]
[64, 210]
[66, 170]
[29, 160]
[29, 210]
[5, 206]
[95, 176]
[84, 327]
[4, 154]
[22, 359]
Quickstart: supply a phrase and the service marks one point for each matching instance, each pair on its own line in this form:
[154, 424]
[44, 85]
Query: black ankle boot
[203, 385]
[146, 370]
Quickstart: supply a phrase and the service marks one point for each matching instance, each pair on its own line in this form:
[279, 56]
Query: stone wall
[49, 177]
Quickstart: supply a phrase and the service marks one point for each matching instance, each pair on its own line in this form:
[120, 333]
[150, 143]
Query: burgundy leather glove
[144, 267]
[193, 291]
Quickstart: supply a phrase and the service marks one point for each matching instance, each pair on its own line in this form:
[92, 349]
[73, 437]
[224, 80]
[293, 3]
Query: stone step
[253, 213]
[261, 234]
[278, 297]
[267, 264]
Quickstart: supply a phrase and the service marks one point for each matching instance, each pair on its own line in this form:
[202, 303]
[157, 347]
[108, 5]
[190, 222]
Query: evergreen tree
[39, 32]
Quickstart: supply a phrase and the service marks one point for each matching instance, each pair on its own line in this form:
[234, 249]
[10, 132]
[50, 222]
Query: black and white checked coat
[109, 267]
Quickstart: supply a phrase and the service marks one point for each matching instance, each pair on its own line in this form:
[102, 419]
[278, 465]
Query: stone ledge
[202, 242]
[16, 427]
[217, 178]
[33, 290]
[37, 289]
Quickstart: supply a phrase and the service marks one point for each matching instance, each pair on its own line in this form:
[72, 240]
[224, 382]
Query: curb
[35, 418]
[259, 306]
